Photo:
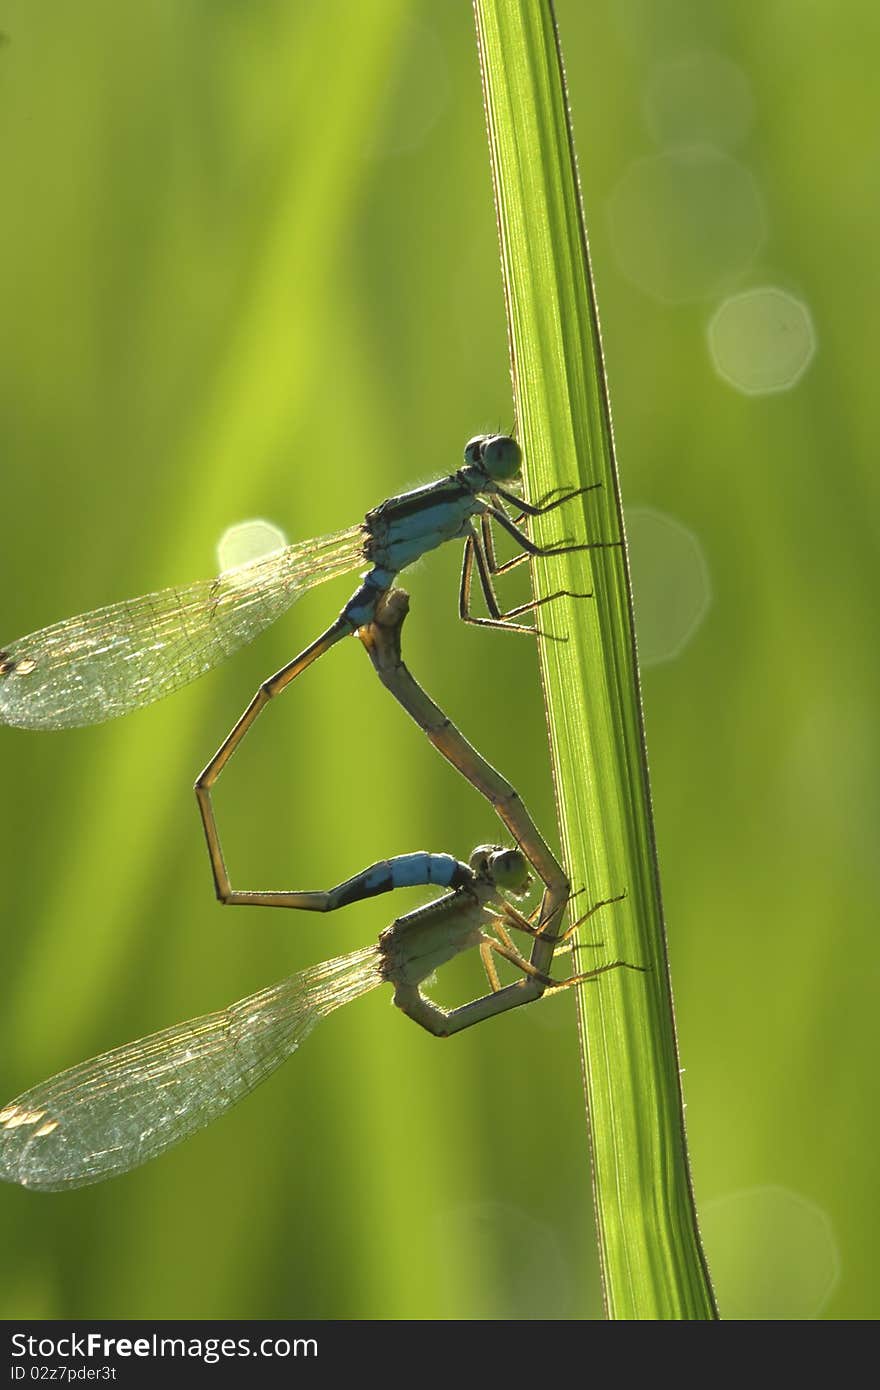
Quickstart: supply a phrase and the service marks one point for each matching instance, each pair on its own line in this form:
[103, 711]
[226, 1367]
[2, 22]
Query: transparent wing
[91, 668]
[118, 1110]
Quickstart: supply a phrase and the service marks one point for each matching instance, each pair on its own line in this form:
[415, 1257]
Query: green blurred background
[248, 268]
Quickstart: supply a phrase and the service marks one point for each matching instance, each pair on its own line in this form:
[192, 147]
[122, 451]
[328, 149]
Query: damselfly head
[496, 455]
[506, 868]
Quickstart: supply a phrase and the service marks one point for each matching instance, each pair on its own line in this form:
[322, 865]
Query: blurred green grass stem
[652, 1261]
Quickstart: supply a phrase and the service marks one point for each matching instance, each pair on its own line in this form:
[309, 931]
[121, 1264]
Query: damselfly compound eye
[473, 450]
[501, 457]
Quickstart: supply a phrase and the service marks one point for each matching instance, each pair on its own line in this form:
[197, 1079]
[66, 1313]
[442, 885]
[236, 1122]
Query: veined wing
[91, 668]
[118, 1110]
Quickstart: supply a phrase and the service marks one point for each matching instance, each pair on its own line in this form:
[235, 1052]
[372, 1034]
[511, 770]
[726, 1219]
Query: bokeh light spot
[772, 1253]
[686, 223]
[699, 99]
[671, 588]
[762, 340]
[248, 541]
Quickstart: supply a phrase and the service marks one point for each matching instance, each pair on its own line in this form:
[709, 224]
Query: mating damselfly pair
[110, 1114]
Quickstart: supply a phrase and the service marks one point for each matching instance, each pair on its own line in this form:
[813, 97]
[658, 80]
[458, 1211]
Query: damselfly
[116, 659]
[113, 1113]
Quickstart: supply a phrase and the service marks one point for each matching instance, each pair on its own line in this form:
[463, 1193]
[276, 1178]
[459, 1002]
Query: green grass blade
[653, 1264]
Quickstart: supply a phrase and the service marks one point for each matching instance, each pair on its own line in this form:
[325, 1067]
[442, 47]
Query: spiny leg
[511, 917]
[473, 555]
[499, 922]
[488, 588]
[494, 569]
[527, 511]
[514, 957]
[489, 544]
[533, 548]
[523, 924]
[488, 536]
[564, 493]
[482, 551]
[544, 505]
[209, 775]
[489, 967]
